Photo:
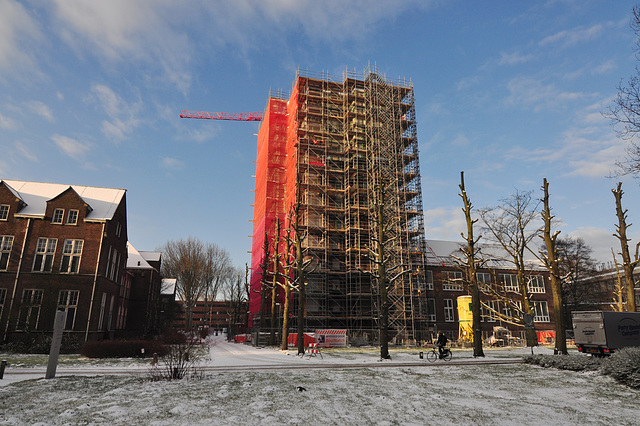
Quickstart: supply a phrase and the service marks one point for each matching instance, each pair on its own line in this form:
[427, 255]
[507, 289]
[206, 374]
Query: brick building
[63, 247]
[142, 307]
[445, 286]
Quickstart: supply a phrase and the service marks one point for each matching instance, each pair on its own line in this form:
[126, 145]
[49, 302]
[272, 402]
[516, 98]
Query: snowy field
[382, 394]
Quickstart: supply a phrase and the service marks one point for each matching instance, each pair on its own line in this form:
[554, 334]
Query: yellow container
[465, 319]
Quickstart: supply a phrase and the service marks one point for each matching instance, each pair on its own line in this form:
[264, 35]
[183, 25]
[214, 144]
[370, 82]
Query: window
[452, 281]
[490, 315]
[118, 230]
[3, 298]
[68, 301]
[6, 242]
[508, 281]
[483, 278]
[449, 310]
[4, 211]
[431, 309]
[102, 306]
[430, 280]
[536, 284]
[71, 255]
[58, 214]
[45, 251]
[541, 311]
[29, 310]
[72, 217]
[507, 311]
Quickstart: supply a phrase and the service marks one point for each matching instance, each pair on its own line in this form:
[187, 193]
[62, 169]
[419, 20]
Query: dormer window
[72, 217]
[58, 214]
[4, 211]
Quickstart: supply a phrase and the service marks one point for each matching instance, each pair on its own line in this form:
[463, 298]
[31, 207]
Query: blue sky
[510, 92]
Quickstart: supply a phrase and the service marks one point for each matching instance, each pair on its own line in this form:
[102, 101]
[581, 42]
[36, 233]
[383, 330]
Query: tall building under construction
[350, 147]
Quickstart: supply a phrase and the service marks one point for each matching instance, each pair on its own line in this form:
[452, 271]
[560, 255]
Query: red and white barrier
[313, 350]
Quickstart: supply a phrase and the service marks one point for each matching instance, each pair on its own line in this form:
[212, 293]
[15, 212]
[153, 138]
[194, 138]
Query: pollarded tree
[552, 260]
[276, 263]
[628, 265]
[385, 271]
[470, 264]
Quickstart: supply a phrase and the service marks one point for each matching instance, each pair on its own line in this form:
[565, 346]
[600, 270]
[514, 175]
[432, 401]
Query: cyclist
[441, 342]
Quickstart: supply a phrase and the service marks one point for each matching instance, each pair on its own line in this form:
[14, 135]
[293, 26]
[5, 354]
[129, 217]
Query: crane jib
[243, 116]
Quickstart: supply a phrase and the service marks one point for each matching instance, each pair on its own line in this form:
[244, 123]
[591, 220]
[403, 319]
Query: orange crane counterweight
[242, 116]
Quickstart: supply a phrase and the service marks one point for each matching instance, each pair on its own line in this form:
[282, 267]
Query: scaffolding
[342, 138]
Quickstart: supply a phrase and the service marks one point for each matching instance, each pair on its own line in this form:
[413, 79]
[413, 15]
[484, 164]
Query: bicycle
[433, 354]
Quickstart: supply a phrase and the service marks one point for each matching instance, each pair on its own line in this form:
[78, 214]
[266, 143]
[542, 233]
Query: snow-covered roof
[151, 256]
[103, 201]
[168, 286]
[439, 254]
[135, 260]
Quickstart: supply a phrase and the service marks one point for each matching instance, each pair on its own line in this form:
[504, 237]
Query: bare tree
[288, 283]
[576, 267]
[625, 110]
[628, 265]
[234, 292]
[470, 264]
[302, 267]
[275, 261]
[218, 270]
[551, 260]
[512, 226]
[190, 262]
[385, 271]
[264, 280]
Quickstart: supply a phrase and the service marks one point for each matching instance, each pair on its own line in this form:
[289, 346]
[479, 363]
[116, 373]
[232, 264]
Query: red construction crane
[242, 116]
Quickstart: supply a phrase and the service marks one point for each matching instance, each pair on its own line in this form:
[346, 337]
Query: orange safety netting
[269, 191]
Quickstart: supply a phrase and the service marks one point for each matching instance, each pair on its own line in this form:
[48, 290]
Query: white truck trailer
[604, 332]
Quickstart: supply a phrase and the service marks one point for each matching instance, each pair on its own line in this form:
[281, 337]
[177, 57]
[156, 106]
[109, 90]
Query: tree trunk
[554, 272]
[627, 265]
[471, 273]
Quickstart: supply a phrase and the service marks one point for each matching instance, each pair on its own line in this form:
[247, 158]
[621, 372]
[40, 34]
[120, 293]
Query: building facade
[63, 247]
[448, 292]
[339, 149]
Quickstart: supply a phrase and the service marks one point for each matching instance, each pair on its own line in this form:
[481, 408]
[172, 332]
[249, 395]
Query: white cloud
[526, 91]
[26, 152]
[123, 115]
[155, 32]
[7, 123]
[71, 147]
[514, 58]
[40, 109]
[444, 223]
[568, 38]
[600, 240]
[172, 163]
[604, 67]
[17, 31]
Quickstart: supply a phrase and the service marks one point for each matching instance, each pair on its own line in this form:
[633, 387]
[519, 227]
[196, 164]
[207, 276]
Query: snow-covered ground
[420, 393]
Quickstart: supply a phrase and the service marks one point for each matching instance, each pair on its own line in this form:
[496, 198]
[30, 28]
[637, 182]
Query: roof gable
[103, 201]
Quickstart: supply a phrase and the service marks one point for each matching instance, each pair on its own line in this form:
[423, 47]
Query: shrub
[181, 360]
[173, 337]
[122, 348]
[40, 343]
[565, 362]
[624, 367]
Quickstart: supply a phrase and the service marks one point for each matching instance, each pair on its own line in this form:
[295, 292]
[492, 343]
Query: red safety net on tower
[269, 193]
